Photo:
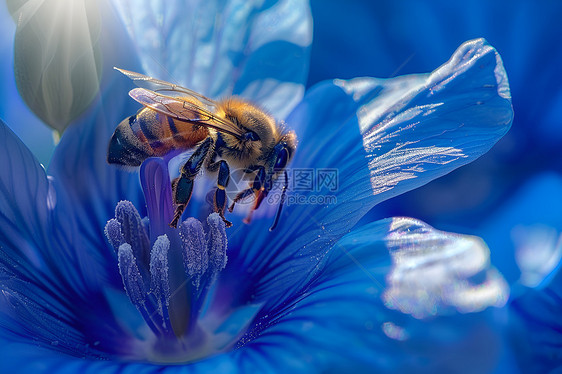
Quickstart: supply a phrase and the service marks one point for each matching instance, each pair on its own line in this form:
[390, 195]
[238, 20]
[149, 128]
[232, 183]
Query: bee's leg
[219, 201]
[182, 187]
[257, 188]
[241, 196]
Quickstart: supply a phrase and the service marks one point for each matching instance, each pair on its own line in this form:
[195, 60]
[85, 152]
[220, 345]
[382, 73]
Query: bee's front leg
[257, 189]
[219, 201]
[183, 186]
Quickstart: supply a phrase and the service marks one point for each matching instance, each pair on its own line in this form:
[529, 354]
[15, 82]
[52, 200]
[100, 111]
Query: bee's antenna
[276, 221]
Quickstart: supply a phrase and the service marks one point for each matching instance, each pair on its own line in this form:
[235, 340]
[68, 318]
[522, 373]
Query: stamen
[194, 245]
[133, 230]
[134, 284]
[160, 285]
[114, 234]
[168, 291]
[216, 244]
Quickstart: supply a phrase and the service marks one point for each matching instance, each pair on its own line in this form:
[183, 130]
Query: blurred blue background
[512, 195]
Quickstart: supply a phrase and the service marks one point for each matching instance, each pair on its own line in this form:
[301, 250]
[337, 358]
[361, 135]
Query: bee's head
[283, 152]
[279, 158]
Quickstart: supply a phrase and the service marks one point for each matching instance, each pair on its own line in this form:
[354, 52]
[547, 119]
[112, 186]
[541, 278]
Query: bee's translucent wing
[165, 88]
[184, 110]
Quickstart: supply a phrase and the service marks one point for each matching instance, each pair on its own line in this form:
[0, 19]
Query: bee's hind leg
[182, 187]
[219, 202]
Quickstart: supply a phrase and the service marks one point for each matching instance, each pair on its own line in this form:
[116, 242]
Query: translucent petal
[57, 57]
[380, 138]
[218, 48]
[30, 129]
[340, 322]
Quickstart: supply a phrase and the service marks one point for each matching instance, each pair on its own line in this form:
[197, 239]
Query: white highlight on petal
[416, 123]
[394, 331]
[436, 272]
[388, 169]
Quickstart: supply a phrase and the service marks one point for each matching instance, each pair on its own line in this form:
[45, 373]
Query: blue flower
[89, 284]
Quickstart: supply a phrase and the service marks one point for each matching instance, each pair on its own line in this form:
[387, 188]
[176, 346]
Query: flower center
[172, 281]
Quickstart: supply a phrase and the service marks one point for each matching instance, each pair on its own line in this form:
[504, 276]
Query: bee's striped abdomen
[151, 134]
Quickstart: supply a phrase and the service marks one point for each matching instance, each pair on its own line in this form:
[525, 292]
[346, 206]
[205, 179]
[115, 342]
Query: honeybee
[226, 133]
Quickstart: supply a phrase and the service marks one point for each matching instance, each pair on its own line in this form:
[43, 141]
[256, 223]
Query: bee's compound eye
[282, 158]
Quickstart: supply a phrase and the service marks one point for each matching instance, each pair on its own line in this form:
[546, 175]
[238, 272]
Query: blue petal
[383, 138]
[258, 50]
[35, 221]
[524, 233]
[25, 192]
[49, 279]
[340, 322]
[537, 329]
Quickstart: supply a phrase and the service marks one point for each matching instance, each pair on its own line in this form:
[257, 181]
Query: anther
[132, 280]
[134, 284]
[194, 245]
[216, 244]
[133, 230]
[159, 277]
[159, 283]
[113, 233]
